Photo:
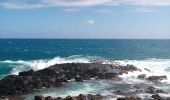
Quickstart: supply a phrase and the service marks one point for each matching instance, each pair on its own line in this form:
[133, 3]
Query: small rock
[160, 91]
[58, 98]
[68, 98]
[39, 98]
[147, 70]
[156, 97]
[49, 98]
[81, 97]
[78, 79]
[142, 76]
[130, 98]
[156, 78]
[151, 89]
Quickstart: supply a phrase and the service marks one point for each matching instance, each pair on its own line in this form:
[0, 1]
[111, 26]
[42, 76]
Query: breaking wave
[20, 65]
[148, 66]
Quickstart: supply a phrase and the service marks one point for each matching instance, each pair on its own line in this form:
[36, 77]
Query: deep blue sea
[33, 49]
[24, 54]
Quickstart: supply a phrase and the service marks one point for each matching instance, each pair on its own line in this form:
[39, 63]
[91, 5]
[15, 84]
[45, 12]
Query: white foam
[157, 67]
[21, 65]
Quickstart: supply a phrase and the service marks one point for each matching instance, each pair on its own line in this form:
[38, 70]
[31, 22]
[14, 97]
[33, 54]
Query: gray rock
[142, 76]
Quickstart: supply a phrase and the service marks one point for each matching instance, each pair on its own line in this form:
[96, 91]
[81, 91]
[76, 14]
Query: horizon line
[92, 38]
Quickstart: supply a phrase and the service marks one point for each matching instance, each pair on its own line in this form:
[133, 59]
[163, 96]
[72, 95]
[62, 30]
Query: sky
[106, 19]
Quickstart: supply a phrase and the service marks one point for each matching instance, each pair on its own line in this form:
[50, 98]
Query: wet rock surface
[157, 97]
[58, 75]
[80, 97]
[142, 76]
[156, 78]
[130, 98]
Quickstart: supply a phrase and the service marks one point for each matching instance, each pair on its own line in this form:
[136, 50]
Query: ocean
[18, 55]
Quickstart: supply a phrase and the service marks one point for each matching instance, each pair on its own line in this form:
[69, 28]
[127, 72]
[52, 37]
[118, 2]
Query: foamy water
[149, 67]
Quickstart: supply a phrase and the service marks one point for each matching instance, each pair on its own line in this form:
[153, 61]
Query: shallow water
[104, 87]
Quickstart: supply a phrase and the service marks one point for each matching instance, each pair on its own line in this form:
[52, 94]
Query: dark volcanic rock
[26, 73]
[80, 97]
[58, 75]
[156, 97]
[142, 76]
[69, 98]
[49, 98]
[39, 98]
[130, 98]
[151, 90]
[156, 78]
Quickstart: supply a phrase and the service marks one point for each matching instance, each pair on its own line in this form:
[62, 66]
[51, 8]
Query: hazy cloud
[71, 9]
[143, 10]
[22, 4]
[105, 11]
[90, 21]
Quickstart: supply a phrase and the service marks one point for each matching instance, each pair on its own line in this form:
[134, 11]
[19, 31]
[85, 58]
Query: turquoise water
[104, 87]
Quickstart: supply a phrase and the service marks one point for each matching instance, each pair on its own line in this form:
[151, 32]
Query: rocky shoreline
[98, 97]
[58, 75]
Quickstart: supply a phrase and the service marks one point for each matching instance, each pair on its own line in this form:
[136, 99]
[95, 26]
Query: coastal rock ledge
[58, 75]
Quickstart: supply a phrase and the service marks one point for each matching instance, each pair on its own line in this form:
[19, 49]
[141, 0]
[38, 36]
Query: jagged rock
[78, 79]
[156, 78]
[26, 73]
[151, 89]
[147, 70]
[80, 97]
[68, 98]
[39, 98]
[142, 76]
[130, 98]
[49, 98]
[157, 97]
[98, 97]
[58, 98]
[160, 91]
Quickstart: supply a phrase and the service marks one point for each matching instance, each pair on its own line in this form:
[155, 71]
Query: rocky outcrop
[130, 98]
[156, 78]
[58, 75]
[80, 97]
[142, 76]
[157, 97]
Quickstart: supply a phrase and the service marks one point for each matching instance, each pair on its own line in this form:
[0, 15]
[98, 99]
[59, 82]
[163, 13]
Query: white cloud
[18, 4]
[144, 10]
[90, 21]
[71, 9]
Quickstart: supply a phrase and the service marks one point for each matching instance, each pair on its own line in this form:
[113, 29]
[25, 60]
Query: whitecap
[157, 67]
